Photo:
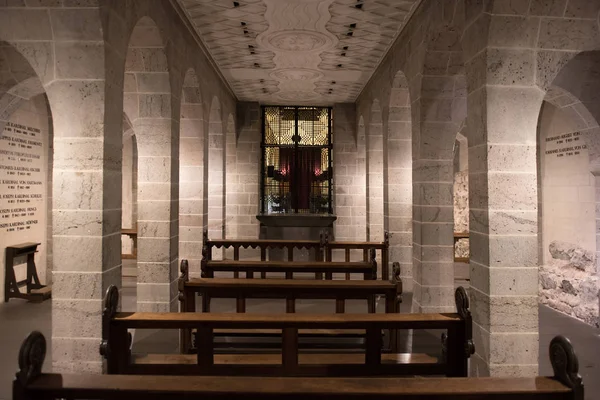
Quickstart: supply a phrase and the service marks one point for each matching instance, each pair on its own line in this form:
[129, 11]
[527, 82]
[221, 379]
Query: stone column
[349, 175]
[191, 186]
[503, 106]
[216, 173]
[433, 182]
[86, 105]
[248, 169]
[399, 181]
[375, 174]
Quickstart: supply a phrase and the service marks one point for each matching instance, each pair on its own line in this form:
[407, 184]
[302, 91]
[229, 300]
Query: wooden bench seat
[287, 289]
[116, 342]
[277, 332]
[31, 384]
[309, 365]
[275, 359]
[367, 269]
[145, 320]
[117, 387]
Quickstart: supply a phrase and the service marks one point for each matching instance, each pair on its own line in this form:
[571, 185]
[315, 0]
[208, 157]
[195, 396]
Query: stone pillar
[158, 170]
[191, 173]
[504, 106]
[86, 183]
[398, 201]
[216, 173]
[375, 175]
[433, 182]
[243, 188]
[349, 154]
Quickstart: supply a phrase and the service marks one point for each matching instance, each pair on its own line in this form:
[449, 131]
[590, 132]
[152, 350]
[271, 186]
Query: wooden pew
[290, 361]
[264, 245]
[323, 250]
[289, 268]
[290, 290]
[368, 249]
[31, 384]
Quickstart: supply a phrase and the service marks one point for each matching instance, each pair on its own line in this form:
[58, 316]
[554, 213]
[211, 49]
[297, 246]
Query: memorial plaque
[565, 145]
[22, 178]
[23, 184]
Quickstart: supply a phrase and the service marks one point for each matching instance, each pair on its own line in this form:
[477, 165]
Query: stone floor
[18, 318]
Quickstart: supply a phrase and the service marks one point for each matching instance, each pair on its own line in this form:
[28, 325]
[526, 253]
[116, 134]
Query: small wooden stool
[35, 290]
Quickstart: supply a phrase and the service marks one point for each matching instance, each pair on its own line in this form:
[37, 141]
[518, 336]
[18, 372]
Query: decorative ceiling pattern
[317, 52]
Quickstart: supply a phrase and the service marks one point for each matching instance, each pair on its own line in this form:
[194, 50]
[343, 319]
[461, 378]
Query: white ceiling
[317, 52]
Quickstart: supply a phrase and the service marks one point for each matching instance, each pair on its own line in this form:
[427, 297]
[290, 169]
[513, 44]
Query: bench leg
[204, 344]
[373, 347]
[289, 349]
[456, 358]
[185, 335]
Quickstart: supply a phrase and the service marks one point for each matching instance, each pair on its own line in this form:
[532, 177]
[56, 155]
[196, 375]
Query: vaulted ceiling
[317, 52]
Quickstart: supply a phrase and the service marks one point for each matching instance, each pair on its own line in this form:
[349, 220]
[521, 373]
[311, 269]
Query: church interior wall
[489, 63]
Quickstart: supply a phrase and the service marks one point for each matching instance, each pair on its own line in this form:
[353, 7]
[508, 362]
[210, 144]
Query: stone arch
[191, 176]
[375, 174]
[216, 172]
[147, 103]
[442, 110]
[398, 185]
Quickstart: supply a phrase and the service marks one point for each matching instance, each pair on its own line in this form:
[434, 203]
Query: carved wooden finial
[31, 357]
[111, 300]
[462, 302]
[111, 303]
[462, 308]
[184, 268]
[204, 237]
[396, 271]
[565, 364]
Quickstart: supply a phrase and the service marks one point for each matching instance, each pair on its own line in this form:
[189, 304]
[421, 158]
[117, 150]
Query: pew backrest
[322, 249]
[31, 384]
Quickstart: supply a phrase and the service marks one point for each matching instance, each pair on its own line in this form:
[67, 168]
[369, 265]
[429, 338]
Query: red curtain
[300, 166]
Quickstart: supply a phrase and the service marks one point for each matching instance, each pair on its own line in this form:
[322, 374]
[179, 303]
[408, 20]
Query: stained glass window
[296, 167]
